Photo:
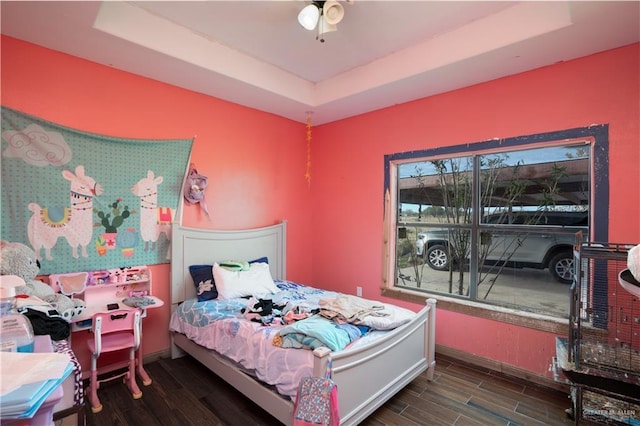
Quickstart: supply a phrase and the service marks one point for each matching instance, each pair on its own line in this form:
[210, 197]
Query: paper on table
[21, 368]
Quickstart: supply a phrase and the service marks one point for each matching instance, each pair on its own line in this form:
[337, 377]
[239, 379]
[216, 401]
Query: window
[495, 222]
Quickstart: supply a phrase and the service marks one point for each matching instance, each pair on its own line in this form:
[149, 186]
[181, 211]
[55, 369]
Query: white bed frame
[366, 376]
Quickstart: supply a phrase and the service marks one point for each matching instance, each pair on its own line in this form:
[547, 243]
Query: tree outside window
[496, 227]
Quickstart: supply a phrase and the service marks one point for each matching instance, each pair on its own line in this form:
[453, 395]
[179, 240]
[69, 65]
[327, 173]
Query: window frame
[597, 135]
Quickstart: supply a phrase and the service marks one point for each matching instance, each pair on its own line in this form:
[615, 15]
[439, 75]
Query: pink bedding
[221, 325]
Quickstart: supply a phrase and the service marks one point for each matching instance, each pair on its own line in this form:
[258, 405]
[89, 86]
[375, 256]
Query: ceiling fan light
[333, 12]
[308, 17]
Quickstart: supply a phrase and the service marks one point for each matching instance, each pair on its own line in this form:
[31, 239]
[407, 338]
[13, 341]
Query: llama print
[154, 220]
[74, 222]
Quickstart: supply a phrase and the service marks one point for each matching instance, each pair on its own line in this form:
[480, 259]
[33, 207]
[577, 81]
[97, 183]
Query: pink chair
[113, 331]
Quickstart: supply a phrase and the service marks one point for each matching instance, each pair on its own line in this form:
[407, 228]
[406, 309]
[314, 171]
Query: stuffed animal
[18, 259]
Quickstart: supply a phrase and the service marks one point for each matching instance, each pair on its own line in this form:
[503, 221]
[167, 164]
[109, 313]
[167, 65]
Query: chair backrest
[117, 321]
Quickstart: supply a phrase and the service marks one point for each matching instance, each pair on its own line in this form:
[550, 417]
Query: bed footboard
[369, 375]
[366, 376]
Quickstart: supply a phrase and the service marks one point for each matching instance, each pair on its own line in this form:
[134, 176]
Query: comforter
[269, 347]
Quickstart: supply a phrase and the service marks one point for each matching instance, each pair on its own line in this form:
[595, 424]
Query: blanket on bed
[221, 325]
[298, 298]
[317, 331]
[342, 320]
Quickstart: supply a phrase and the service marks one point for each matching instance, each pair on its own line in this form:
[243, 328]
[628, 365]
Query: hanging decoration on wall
[87, 202]
[194, 186]
[307, 174]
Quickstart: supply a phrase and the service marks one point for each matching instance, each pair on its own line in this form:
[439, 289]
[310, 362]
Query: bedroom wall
[255, 161]
[348, 182]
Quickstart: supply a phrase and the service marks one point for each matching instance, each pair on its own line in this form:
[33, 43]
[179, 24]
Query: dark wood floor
[185, 393]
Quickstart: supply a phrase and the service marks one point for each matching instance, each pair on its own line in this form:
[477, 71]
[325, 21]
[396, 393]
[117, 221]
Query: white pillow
[257, 281]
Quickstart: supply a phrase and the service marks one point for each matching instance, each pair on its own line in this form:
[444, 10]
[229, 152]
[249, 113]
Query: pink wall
[256, 162]
[348, 198]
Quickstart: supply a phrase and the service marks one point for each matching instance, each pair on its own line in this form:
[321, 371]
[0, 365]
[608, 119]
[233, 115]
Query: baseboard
[166, 353]
[463, 356]
[501, 367]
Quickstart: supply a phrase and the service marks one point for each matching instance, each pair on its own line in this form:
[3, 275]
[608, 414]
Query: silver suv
[538, 250]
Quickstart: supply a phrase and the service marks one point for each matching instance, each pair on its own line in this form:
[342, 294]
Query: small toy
[98, 277]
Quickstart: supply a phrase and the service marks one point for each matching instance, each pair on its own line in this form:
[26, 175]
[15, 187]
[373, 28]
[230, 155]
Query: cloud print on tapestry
[36, 146]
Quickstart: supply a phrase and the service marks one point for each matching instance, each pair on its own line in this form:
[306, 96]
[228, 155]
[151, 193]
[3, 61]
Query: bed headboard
[192, 246]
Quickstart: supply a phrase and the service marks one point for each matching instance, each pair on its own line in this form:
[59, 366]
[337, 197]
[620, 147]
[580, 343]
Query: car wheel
[438, 258]
[561, 267]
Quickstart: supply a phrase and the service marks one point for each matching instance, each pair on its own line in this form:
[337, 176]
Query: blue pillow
[261, 260]
[203, 280]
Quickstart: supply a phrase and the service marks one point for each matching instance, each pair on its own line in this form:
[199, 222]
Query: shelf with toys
[107, 289]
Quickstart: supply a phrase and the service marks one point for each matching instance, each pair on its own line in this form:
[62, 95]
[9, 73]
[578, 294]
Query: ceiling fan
[325, 15]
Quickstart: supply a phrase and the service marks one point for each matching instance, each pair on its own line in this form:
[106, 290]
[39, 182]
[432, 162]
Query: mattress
[222, 325]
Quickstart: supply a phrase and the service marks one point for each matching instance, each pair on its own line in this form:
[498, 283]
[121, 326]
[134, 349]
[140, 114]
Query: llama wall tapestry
[154, 219]
[73, 222]
[78, 198]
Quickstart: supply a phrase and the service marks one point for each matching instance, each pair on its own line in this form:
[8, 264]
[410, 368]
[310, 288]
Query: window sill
[532, 320]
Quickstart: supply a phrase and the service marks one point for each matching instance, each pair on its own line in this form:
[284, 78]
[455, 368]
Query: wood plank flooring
[183, 392]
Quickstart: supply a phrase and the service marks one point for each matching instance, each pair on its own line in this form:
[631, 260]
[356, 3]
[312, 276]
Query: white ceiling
[255, 53]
